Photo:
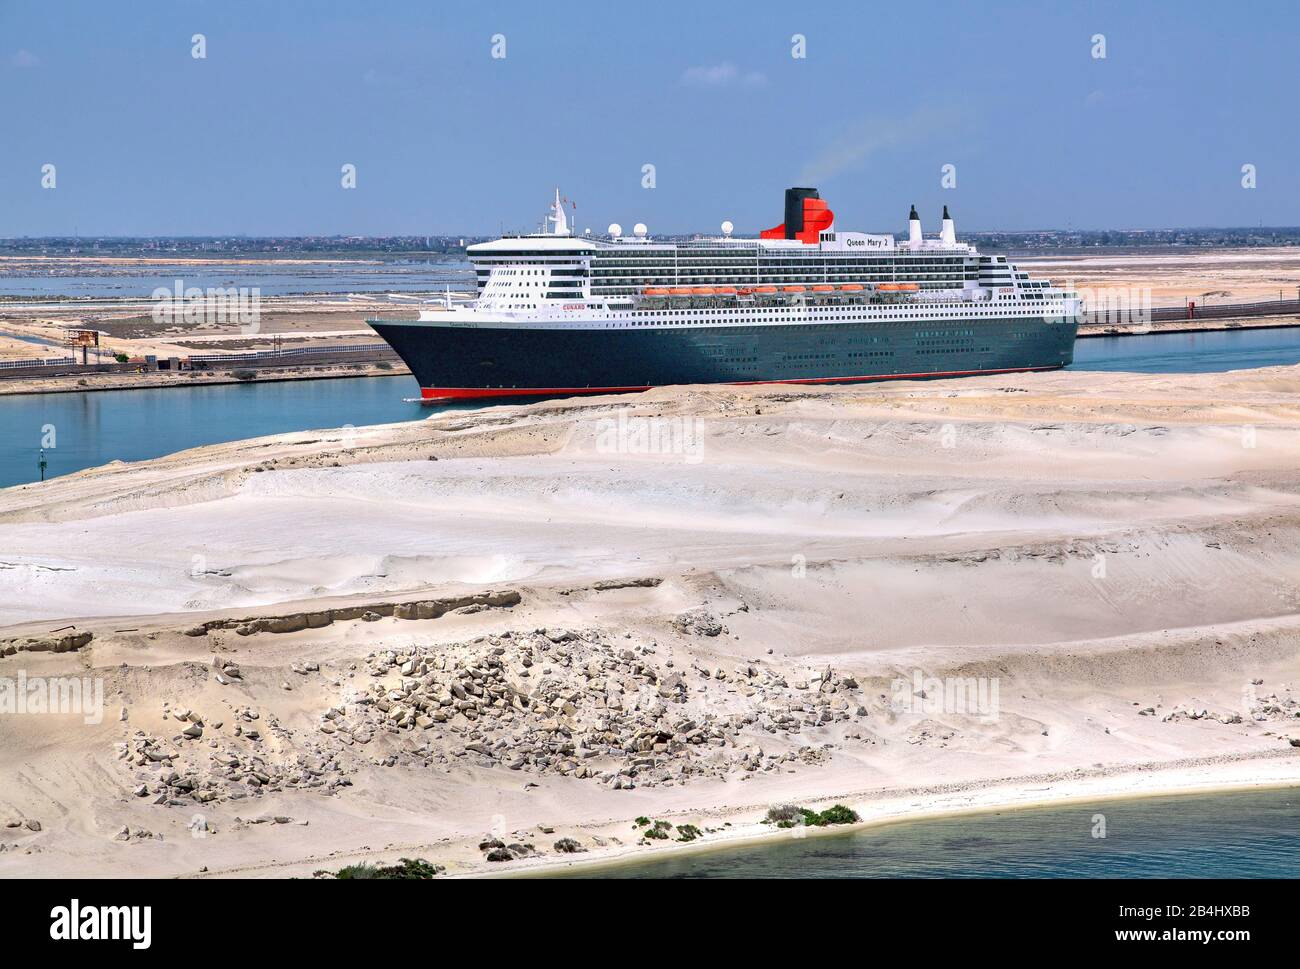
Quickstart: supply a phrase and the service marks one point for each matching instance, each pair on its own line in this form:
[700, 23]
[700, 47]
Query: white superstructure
[615, 281]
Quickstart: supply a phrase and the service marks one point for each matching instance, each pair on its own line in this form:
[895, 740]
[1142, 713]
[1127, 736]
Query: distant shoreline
[1191, 326]
[998, 796]
[163, 380]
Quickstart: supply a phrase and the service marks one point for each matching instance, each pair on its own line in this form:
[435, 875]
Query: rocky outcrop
[66, 643]
[699, 622]
[422, 609]
[551, 702]
[556, 701]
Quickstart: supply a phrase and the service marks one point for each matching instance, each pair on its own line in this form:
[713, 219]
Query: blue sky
[147, 139]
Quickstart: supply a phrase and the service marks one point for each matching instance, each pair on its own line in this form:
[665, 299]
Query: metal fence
[42, 362]
[1273, 307]
[254, 356]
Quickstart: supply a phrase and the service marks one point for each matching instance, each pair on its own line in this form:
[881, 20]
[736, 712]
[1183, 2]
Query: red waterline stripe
[466, 393]
[469, 393]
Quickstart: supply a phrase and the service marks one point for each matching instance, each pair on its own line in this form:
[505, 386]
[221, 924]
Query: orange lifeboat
[899, 287]
[851, 288]
[679, 291]
[765, 290]
[726, 291]
[701, 290]
[792, 289]
[823, 289]
[652, 291]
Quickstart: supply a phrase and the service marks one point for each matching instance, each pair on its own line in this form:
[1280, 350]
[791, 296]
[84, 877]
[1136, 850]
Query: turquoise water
[131, 425]
[1252, 834]
[1213, 351]
[272, 278]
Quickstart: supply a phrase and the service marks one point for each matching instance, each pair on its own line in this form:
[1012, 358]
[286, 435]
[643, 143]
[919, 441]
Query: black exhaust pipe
[794, 209]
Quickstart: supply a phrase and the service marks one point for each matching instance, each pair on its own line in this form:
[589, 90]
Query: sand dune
[1120, 552]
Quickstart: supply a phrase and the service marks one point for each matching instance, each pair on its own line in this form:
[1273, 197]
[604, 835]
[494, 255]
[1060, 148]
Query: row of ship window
[777, 274]
[809, 357]
[632, 284]
[873, 322]
[749, 266]
[713, 314]
[821, 312]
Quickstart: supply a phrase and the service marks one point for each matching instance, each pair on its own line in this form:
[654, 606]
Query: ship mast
[557, 216]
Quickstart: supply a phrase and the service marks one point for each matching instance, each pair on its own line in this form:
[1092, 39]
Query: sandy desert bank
[352, 645]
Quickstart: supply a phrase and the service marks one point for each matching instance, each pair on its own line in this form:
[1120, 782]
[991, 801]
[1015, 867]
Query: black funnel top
[913, 214]
[945, 213]
[794, 209]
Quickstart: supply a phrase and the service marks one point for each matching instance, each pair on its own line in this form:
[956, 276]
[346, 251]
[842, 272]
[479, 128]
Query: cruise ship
[558, 313]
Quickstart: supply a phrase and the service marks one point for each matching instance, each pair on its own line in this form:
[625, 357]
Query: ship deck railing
[784, 299]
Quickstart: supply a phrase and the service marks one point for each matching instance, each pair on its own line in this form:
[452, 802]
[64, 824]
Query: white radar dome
[615, 229]
[639, 230]
[727, 228]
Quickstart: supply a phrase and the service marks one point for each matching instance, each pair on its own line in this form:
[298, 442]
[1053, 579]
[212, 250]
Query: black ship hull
[464, 360]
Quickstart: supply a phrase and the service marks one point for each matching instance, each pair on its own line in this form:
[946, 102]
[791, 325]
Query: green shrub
[789, 815]
[352, 873]
[405, 869]
[839, 814]
[687, 832]
[783, 812]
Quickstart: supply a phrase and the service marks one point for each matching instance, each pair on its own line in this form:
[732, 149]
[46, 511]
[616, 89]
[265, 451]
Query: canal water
[1251, 834]
[96, 427]
[1211, 351]
[271, 277]
[93, 428]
